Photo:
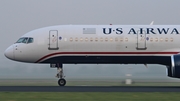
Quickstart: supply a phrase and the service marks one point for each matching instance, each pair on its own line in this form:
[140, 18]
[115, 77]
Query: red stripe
[104, 53]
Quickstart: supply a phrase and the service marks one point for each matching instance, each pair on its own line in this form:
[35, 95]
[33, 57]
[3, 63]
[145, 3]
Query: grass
[95, 96]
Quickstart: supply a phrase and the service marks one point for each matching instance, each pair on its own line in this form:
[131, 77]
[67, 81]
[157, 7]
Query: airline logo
[119, 31]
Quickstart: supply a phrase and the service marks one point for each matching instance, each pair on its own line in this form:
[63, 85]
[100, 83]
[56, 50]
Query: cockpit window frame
[20, 40]
[25, 40]
[31, 41]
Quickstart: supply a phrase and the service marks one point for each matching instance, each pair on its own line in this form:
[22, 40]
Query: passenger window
[71, 39]
[86, 39]
[81, 39]
[106, 39]
[111, 39]
[171, 39]
[96, 39]
[166, 39]
[156, 39]
[126, 39]
[116, 39]
[121, 39]
[91, 39]
[30, 40]
[101, 39]
[161, 39]
[151, 39]
[76, 39]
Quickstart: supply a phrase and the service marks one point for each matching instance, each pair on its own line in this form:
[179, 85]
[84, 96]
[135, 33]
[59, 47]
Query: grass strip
[88, 96]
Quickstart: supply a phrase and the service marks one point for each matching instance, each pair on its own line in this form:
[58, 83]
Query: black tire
[62, 82]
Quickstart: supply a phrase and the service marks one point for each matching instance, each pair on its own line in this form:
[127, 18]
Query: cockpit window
[20, 40]
[30, 40]
[25, 40]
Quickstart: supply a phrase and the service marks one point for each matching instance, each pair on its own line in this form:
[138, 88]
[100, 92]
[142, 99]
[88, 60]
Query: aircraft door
[141, 41]
[53, 40]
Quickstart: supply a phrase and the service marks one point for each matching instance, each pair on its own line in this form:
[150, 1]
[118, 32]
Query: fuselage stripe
[108, 53]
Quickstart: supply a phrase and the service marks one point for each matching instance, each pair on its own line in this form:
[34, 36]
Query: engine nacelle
[174, 68]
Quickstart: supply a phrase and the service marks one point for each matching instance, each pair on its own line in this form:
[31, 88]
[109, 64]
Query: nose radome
[9, 53]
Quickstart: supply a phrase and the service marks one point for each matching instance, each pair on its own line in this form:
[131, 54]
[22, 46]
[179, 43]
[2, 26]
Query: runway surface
[89, 89]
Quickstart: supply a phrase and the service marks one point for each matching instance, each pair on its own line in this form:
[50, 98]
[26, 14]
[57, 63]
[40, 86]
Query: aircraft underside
[163, 60]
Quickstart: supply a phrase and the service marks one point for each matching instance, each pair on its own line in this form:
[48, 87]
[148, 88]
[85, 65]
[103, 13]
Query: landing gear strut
[60, 75]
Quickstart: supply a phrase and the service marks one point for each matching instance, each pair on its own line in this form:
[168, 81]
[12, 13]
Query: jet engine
[174, 69]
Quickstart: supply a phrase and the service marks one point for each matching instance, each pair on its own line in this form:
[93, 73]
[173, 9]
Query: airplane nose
[9, 53]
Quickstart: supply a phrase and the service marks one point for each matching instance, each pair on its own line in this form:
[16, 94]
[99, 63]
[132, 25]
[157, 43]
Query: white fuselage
[99, 44]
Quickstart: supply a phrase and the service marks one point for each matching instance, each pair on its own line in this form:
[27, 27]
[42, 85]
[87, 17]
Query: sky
[18, 17]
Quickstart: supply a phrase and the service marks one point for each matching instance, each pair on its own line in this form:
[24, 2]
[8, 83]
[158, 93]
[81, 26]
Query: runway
[89, 89]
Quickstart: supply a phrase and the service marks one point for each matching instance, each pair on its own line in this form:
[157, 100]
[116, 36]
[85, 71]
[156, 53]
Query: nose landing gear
[60, 75]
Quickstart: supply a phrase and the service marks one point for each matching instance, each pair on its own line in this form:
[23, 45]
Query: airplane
[100, 44]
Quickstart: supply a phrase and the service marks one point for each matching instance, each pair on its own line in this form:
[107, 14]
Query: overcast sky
[18, 17]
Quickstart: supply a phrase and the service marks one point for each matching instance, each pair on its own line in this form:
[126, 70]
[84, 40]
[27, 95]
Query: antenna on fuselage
[152, 23]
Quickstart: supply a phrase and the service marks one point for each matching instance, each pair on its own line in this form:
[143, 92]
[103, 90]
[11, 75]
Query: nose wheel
[62, 82]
